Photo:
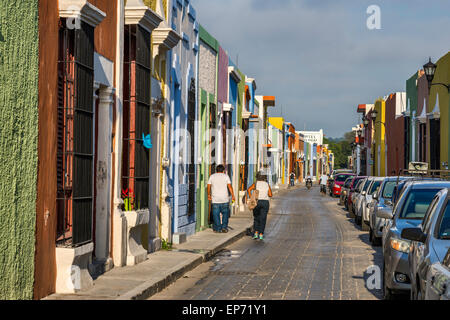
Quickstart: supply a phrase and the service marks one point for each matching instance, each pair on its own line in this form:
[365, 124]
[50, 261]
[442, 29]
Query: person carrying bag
[258, 201]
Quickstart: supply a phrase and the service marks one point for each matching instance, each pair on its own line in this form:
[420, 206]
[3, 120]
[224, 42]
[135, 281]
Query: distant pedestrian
[219, 191]
[292, 178]
[323, 183]
[262, 208]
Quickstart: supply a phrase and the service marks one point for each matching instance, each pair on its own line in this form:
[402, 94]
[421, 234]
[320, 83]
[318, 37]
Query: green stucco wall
[18, 145]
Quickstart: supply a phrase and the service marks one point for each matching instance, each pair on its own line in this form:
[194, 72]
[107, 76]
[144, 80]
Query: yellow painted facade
[442, 75]
[379, 148]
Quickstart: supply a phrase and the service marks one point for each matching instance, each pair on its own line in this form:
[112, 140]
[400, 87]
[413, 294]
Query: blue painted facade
[253, 109]
[183, 62]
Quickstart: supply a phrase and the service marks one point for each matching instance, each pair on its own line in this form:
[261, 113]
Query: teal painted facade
[19, 54]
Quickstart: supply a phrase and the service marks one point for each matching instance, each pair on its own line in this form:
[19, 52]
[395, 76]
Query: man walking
[323, 183]
[219, 190]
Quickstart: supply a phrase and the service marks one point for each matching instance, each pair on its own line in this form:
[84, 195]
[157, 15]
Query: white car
[363, 214]
[360, 196]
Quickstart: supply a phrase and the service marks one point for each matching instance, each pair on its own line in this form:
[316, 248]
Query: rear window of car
[356, 182]
[348, 182]
[359, 185]
[374, 187]
[342, 177]
[366, 185]
[388, 190]
[444, 228]
[417, 203]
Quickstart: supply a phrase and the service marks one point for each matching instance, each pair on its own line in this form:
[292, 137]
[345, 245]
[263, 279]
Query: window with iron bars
[191, 130]
[136, 118]
[75, 165]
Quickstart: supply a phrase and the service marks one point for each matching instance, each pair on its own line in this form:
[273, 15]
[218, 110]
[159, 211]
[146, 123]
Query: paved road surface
[312, 251]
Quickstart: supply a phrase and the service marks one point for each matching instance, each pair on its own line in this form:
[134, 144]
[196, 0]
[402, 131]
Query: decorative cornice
[227, 107]
[234, 74]
[253, 82]
[81, 9]
[138, 13]
[164, 39]
[246, 114]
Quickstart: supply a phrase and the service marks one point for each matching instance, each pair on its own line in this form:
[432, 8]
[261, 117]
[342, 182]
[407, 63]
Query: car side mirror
[364, 193]
[388, 203]
[375, 196]
[384, 214]
[414, 234]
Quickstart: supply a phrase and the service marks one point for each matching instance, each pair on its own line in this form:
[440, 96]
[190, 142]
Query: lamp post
[430, 71]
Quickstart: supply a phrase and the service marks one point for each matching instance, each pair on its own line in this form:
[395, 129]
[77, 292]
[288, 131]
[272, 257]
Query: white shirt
[263, 188]
[323, 179]
[219, 189]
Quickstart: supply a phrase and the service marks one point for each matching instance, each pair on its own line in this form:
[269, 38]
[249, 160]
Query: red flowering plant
[128, 200]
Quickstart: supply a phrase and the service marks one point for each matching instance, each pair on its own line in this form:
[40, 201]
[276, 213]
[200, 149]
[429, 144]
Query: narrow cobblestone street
[312, 251]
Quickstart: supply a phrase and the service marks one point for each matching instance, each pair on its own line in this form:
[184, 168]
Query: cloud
[319, 59]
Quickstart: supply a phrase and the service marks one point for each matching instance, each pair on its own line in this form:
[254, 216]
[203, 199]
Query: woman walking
[262, 209]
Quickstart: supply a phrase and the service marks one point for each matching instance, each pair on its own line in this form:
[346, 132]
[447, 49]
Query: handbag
[253, 201]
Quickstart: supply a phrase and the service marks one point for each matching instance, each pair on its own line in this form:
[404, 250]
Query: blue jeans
[217, 209]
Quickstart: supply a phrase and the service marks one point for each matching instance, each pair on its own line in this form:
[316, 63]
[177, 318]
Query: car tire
[376, 242]
[351, 213]
[364, 226]
[387, 293]
[358, 220]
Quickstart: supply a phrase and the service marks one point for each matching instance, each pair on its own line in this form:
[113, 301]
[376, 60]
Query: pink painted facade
[222, 81]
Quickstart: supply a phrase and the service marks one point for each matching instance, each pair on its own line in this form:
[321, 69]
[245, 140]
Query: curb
[150, 288]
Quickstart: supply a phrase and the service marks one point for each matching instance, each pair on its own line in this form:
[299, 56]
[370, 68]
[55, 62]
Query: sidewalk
[163, 267]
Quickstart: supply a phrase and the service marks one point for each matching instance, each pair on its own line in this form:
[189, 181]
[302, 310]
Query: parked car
[362, 217]
[339, 171]
[357, 203]
[382, 200]
[353, 185]
[408, 212]
[345, 190]
[339, 181]
[439, 280]
[430, 244]
[354, 196]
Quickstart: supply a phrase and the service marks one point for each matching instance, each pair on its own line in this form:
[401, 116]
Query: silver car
[366, 202]
[430, 244]
[408, 213]
[382, 201]
[439, 281]
[355, 195]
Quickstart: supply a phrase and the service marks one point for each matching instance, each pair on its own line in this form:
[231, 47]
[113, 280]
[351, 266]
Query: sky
[319, 58]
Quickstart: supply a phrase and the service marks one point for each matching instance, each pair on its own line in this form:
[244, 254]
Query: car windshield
[417, 203]
[388, 190]
[341, 177]
[374, 187]
[444, 229]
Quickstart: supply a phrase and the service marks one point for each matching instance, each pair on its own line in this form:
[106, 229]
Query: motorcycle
[309, 184]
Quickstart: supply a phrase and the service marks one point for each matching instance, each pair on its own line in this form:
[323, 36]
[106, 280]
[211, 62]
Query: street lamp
[430, 70]
[374, 114]
[366, 122]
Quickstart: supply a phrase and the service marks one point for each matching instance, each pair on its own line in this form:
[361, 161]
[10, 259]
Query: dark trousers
[260, 216]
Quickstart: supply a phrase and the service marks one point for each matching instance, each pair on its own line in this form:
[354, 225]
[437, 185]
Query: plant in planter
[128, 200]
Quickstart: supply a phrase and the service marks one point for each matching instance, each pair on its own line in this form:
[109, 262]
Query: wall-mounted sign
[313, 137]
